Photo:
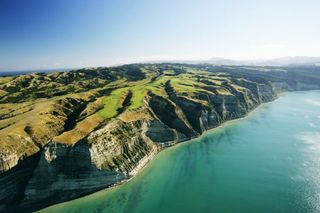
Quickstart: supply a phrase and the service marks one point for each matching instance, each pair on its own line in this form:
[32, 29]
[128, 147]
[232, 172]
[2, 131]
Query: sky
[50, 34]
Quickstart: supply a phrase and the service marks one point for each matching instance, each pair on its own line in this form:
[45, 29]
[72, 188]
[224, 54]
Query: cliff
[112, 121]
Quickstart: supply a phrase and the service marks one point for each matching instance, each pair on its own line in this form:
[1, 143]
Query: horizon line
[164, 60]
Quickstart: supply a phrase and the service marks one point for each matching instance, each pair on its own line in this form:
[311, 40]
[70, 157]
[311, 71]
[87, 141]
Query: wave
[313, 125]
[313, 102]
[311, 138]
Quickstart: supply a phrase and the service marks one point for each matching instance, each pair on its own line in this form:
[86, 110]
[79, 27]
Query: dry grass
[133, 115]
[81, 130]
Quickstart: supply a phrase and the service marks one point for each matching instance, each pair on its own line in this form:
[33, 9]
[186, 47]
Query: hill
[66, 134]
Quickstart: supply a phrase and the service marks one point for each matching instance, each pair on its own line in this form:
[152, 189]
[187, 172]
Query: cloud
[267, 46]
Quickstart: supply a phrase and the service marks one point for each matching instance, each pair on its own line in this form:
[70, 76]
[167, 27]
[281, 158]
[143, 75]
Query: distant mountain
[293, 61]
[223, 61]
[283, 61]
[20, 72]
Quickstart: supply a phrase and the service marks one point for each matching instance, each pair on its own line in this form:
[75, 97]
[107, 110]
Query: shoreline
[217, 163]
[144, 162]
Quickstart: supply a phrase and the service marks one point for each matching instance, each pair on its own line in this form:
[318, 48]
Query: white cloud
[267, 46]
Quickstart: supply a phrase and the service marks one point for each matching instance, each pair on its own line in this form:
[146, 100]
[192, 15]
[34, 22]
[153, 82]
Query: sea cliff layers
[102, 125]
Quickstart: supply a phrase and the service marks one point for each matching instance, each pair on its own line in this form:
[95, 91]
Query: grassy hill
[105, 122]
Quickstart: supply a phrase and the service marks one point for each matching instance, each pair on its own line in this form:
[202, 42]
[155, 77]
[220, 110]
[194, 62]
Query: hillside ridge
[67, 134]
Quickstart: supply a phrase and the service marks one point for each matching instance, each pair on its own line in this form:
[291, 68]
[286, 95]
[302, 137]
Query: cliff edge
[67, 134]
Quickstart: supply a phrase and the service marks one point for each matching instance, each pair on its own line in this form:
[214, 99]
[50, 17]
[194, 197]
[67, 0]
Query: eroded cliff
[64, 146]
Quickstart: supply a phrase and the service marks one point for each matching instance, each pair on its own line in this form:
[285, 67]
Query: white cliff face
[143, 161]
[67, 171]
[284, 86]
[108, 156]
[103, 145]
[8, 160]
[266, 92]
[304, 86]
[10, 156]
[50, 153]
[119, 146]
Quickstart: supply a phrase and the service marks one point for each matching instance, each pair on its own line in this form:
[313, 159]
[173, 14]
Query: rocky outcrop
[160, 133]
[65, 172]
[11, 155]
[40, 126]
[168, 113]
[108, 156]
[14, 182]
[119, 146]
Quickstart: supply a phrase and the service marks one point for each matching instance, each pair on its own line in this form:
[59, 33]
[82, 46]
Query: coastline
[180, 103]
[221, 160]
[144, 162]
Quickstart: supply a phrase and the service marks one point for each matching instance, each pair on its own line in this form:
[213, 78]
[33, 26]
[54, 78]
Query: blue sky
[45, 34]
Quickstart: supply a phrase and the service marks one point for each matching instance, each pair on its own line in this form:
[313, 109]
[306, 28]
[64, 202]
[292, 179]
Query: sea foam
[313, 102]
[309, 137]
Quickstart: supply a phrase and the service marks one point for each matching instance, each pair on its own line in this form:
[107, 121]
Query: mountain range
[282, 61]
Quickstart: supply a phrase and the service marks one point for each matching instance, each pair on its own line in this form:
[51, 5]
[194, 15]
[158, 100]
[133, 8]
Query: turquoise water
[267, 162]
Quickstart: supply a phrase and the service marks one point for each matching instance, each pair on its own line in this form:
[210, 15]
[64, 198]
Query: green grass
[112, 103]
[184, 83]
[140, 90]
[138, 94]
